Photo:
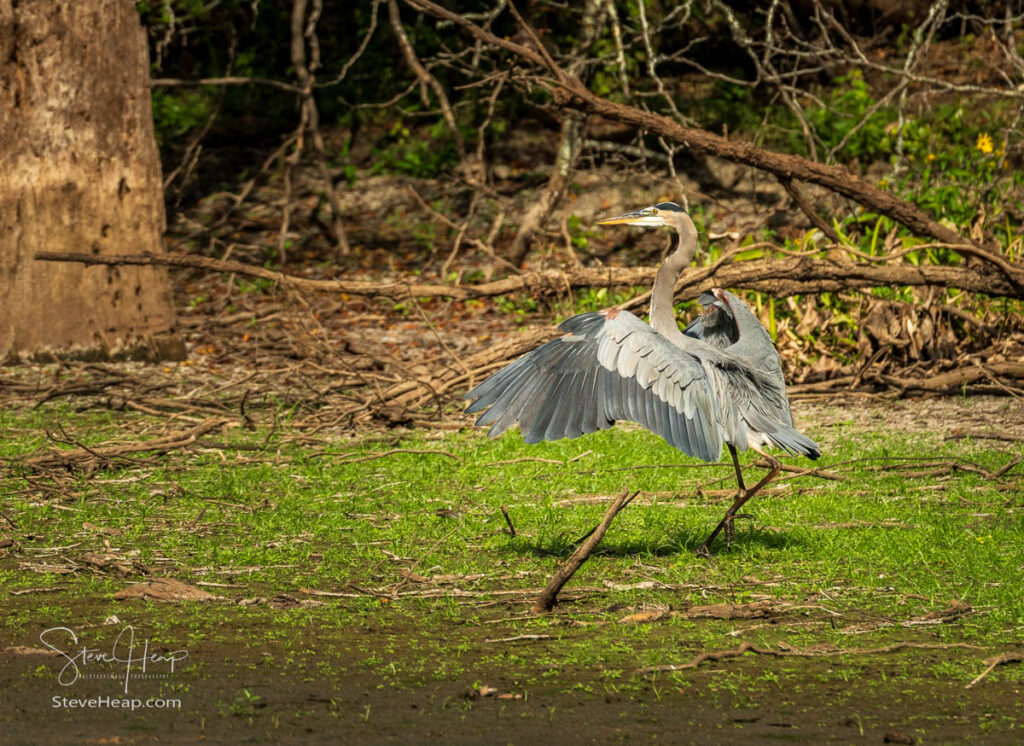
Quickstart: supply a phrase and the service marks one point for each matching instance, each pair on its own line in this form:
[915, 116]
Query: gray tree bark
[79, 170]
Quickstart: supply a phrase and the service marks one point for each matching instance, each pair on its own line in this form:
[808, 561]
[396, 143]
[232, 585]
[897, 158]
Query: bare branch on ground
[549, 596]
[719, 655]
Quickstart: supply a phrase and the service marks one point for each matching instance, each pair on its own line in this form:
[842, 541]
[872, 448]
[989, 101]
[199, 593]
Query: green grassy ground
[916, 542]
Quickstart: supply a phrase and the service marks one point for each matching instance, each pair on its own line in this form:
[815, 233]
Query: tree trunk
[80, 171]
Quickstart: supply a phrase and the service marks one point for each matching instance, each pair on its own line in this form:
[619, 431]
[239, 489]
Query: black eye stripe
[669, 207]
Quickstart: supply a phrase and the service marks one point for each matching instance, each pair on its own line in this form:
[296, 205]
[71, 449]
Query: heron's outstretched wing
[756, 403]
[753, 342]
[749, 374]
[609, 366]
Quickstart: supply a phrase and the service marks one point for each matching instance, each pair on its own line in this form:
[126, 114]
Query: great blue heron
[609, 365]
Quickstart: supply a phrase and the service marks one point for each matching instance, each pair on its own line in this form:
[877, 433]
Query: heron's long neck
[663, 314]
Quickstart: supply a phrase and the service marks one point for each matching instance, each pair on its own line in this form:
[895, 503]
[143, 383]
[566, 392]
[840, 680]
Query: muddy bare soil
[322, 692]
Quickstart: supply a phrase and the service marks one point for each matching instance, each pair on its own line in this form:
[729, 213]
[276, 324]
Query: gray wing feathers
[603, 370]
[756, 385]
[663, 384]
[695, 329]
[750, 399]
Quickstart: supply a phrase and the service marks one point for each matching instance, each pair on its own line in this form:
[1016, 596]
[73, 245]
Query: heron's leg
[736, 466]
[730, 526]
[776, 467]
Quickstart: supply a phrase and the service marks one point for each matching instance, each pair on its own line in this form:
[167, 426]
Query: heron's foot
[730, 527]
[704, 550]
[728, 523]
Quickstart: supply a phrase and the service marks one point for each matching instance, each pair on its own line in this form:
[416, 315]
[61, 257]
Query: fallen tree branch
[809, 211]
[778, 277]
[99, 453]
[955, 380]
[549, 596]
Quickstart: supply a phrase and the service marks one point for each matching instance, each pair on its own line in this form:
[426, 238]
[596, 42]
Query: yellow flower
[984, 143]
[931, 156]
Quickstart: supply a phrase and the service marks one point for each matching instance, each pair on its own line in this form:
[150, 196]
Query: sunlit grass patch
[402, 565]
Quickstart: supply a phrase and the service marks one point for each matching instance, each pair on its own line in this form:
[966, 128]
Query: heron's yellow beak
[630, 218]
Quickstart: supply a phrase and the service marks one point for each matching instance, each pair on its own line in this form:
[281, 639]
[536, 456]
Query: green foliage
[578, 234]
[594, 299]
[848, 102]
[727, 105]
[254, 285]
[516, 306]
[164, 12]
[178, 111]
[349, 169]
[423, 158]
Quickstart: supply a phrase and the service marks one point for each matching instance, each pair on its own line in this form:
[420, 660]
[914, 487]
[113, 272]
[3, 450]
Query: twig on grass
[1006, 467]
[508, 520]
[953, 612]
[85, 455]
[409, 572]
[514, 595]
[523, 460]
[23, 591]
[549, 596]
[517, 638]
[799, 471]
[717, 655]
[996, 661]
[962, 435]
[393, 451]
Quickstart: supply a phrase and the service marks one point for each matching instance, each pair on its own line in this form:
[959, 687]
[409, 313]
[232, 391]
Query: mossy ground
[431, 594]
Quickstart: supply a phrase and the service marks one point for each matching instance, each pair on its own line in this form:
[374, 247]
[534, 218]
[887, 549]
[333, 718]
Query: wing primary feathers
[607, 367]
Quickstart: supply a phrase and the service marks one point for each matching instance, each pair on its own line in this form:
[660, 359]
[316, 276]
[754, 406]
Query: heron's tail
[793, 441]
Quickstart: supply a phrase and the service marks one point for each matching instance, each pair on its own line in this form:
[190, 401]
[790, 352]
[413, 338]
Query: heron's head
[663, 213]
